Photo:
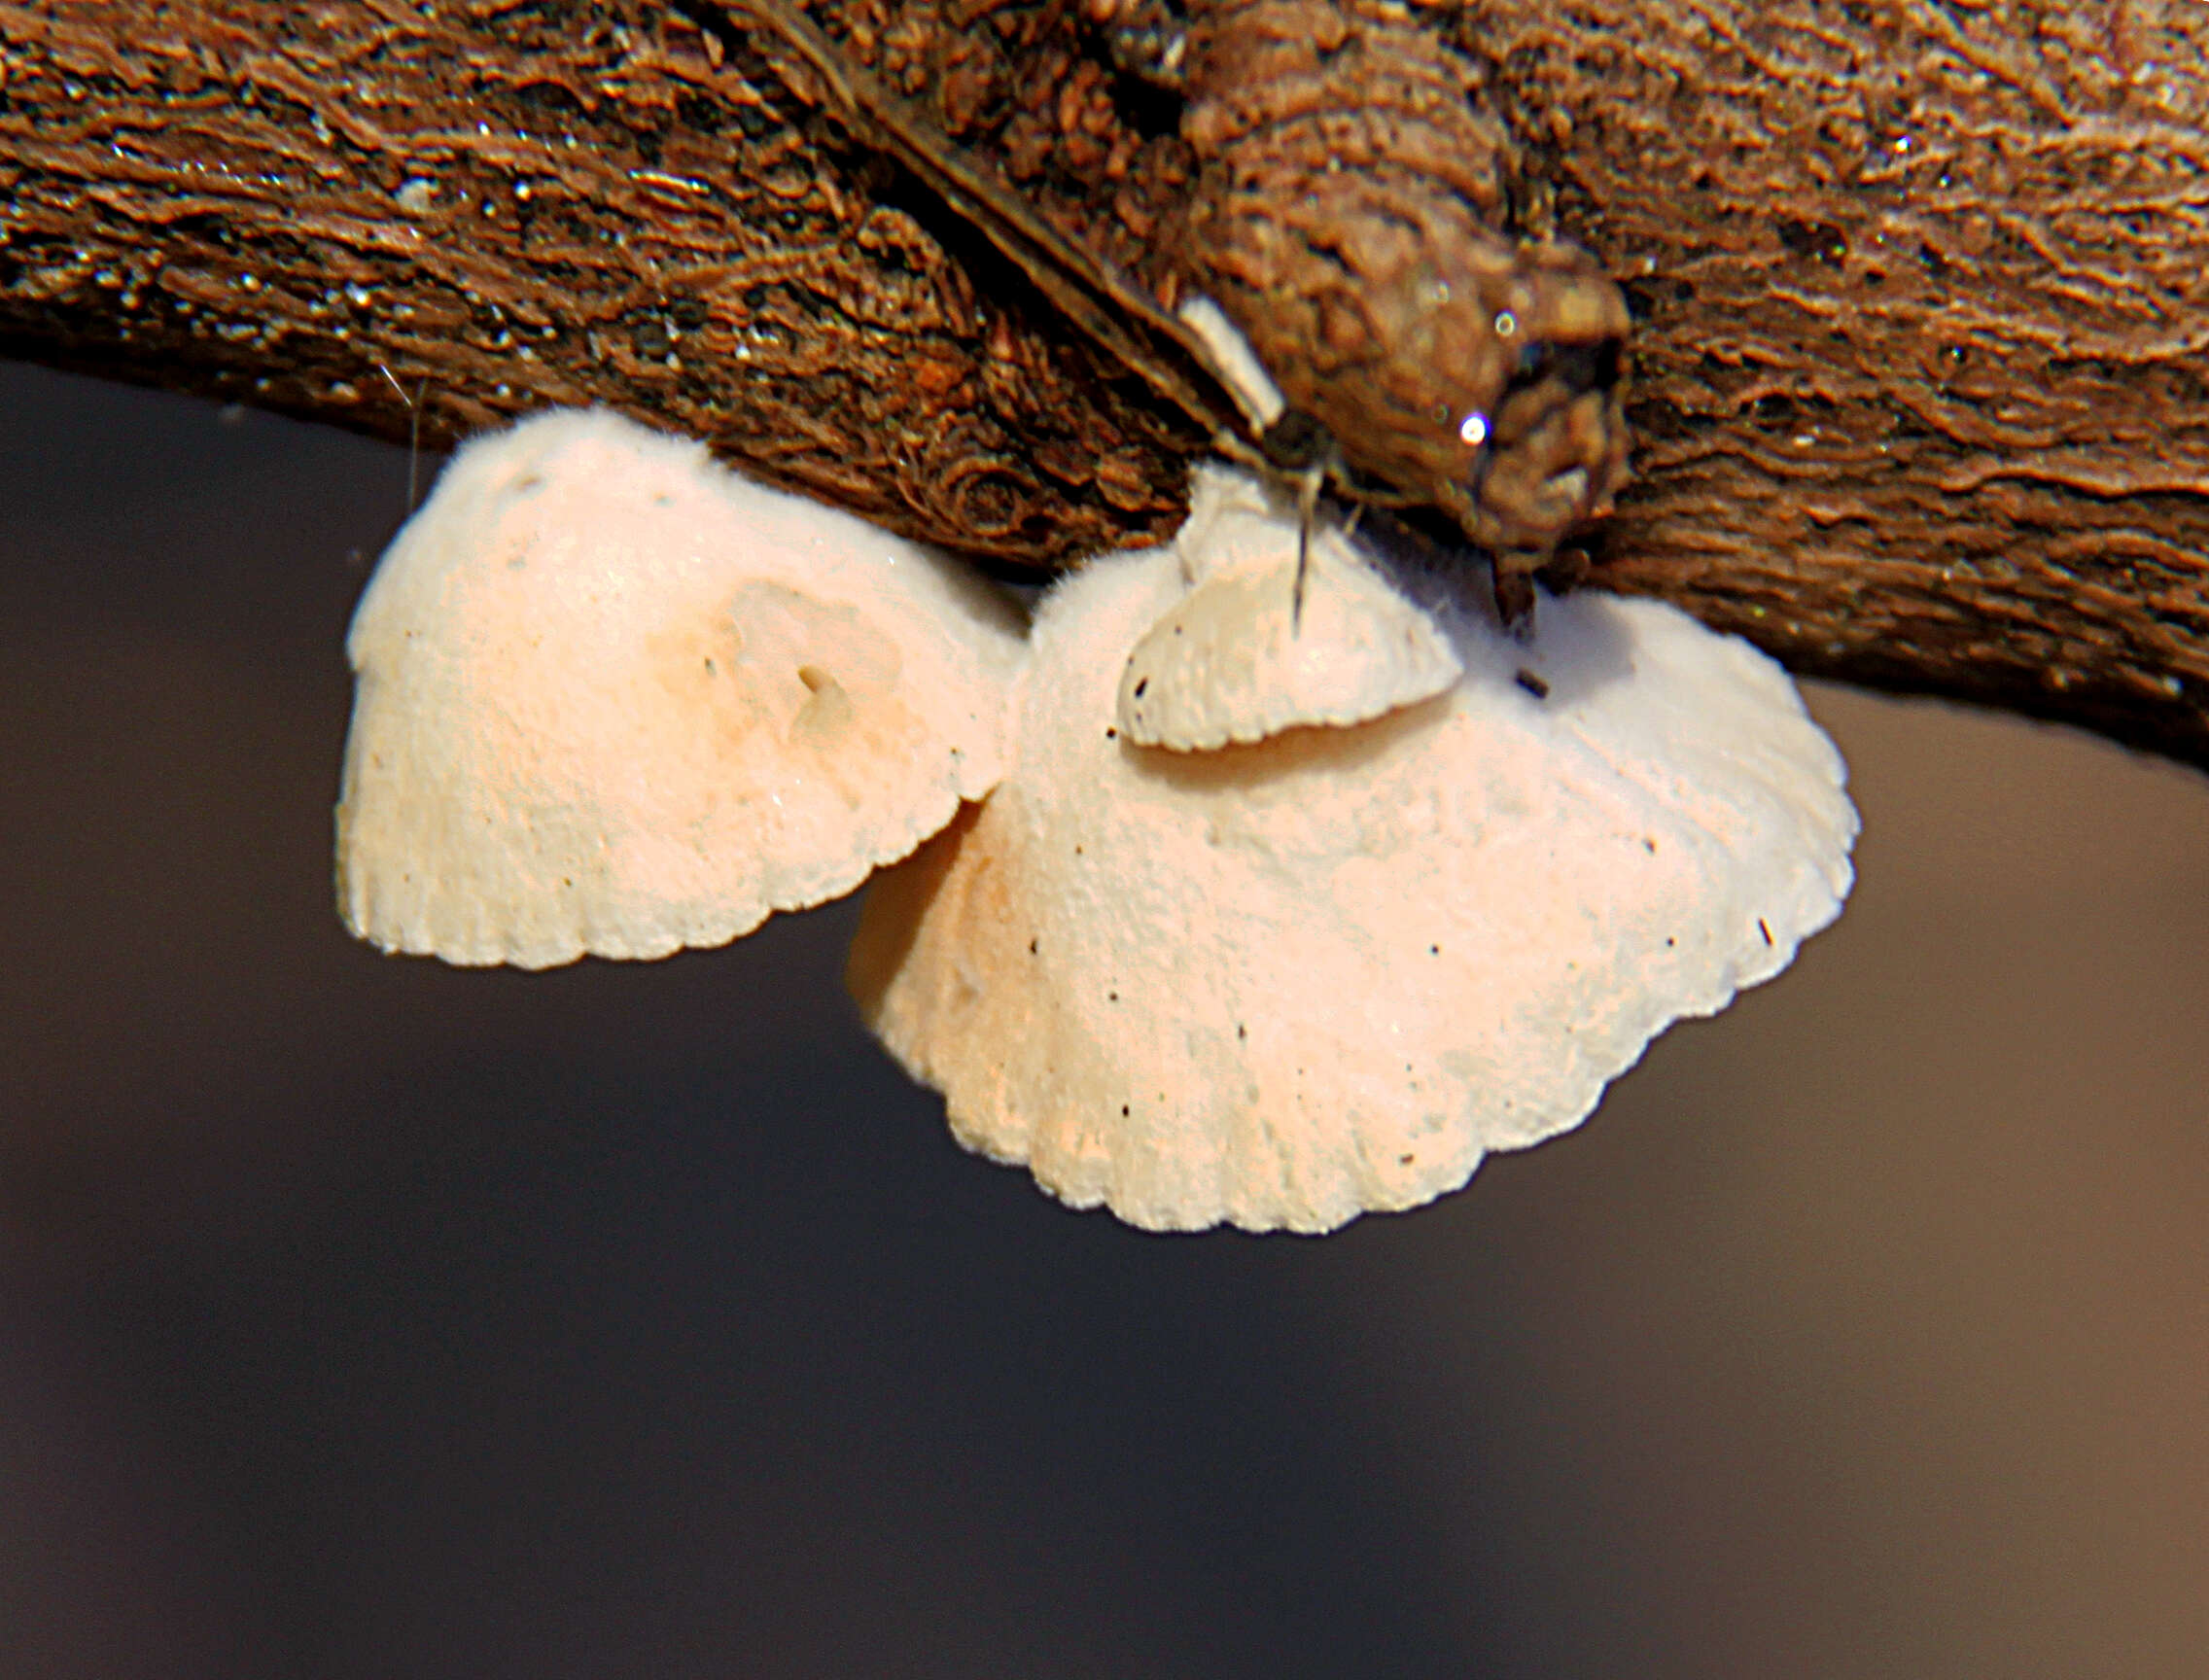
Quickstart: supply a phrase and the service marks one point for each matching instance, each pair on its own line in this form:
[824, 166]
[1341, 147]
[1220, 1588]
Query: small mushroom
[1280, 984]
[1239, 658]
[615, 698]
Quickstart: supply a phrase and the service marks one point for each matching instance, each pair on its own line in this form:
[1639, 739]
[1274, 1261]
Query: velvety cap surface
[615, 698]
[1279, 983]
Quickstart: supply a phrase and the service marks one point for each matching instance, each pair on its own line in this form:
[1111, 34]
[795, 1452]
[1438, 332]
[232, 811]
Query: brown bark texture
[1920, 364]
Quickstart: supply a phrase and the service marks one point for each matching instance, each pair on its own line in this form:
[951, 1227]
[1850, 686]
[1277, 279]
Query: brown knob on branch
[1346, 217]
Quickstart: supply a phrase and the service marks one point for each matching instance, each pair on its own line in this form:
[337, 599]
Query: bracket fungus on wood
[614, 698]
[1280, 984]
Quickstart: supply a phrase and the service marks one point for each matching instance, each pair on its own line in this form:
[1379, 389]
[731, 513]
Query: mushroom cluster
[1223, 908]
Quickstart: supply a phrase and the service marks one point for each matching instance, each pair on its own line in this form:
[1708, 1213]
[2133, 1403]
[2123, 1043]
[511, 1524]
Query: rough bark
[1921, 367]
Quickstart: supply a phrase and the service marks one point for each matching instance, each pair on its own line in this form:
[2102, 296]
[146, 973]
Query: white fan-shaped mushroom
[1235, 660]
[614, 698]
[1279, 983]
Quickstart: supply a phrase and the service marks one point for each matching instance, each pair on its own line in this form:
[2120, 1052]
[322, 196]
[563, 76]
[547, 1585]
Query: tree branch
[1922, 370]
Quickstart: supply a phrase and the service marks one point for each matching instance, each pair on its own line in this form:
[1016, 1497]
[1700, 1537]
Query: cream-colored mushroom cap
[615, 698]
[1277, 985]
[1235, 660]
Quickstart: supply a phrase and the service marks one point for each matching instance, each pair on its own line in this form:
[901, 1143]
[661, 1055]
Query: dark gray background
[363, 1318]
